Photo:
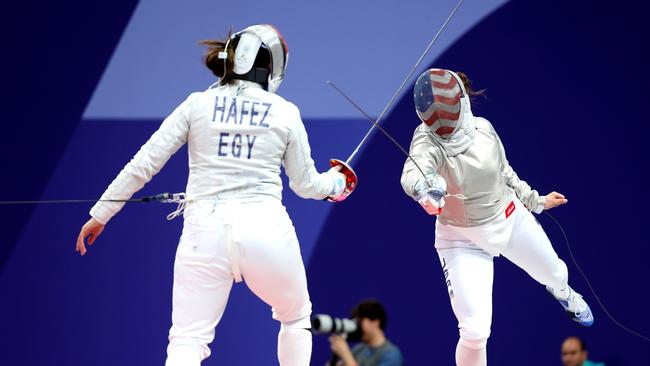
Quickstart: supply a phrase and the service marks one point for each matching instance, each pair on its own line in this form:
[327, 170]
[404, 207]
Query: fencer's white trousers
[466, 256]
[226, 241]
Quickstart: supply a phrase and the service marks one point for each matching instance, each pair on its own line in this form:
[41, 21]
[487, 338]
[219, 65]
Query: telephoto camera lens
[327, 324]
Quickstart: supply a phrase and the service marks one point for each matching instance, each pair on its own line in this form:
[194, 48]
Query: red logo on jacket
[510, 209]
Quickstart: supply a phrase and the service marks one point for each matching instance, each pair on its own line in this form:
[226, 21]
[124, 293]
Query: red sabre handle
[351, 179]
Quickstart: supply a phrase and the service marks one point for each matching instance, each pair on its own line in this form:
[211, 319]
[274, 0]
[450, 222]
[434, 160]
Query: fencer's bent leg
[202, 283]
[531, 250]
[271, 264]
[469, 275]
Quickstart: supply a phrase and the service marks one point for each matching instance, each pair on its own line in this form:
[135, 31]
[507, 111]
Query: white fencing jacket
[238, 136]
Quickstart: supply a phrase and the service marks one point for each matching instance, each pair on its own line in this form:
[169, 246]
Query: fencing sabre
[401, 87]
[374, 124]
[345, 166]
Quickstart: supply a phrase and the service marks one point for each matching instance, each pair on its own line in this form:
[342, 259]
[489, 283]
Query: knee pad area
[474, 330]
[302, 323]
[474, 343]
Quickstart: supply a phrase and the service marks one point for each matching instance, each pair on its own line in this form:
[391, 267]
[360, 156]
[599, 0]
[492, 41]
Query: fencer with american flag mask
[239, 133]
[482, 207]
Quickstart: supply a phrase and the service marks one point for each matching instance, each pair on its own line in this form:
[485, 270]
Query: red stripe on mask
[444, 130]
[446, 100]
[449, 85]
[441, 115]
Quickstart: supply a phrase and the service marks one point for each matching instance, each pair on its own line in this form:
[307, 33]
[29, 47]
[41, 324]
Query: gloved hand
[342, 189]
[430, 192]
[339, 182]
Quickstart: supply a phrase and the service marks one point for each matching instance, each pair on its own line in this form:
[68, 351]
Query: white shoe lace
[576, 304]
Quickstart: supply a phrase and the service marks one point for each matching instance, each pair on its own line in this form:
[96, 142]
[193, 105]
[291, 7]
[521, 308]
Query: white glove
[430, 193]
[431, 205]
[339, 181]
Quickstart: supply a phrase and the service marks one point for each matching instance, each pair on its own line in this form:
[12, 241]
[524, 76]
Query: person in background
[374, 349]
[574, 353]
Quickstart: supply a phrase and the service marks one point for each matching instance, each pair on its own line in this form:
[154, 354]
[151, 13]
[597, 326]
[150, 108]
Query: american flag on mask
[437, 101]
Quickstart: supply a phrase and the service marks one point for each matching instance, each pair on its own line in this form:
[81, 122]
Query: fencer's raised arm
[152, 156]
[528, 196]
[427, 155]
[304, 179]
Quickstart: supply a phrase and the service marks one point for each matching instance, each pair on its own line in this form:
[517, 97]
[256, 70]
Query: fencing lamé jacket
[480, 182]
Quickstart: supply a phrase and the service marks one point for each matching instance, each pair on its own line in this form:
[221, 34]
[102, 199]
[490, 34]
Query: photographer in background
[374, 349]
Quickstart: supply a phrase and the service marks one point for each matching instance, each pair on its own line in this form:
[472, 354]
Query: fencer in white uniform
[486, 210]
[239, 133]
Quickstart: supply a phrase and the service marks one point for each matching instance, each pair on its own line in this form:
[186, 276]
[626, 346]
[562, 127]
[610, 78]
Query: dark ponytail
[216, 64]
[468, 85]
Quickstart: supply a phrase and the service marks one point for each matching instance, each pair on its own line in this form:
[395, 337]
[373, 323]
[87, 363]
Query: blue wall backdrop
[85, 85]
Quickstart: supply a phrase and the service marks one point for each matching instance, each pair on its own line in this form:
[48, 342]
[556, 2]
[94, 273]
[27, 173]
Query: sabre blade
[399, 90]
[376, 124]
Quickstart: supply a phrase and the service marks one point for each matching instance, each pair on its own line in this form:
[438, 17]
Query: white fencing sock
[183, 355]
[471, 353]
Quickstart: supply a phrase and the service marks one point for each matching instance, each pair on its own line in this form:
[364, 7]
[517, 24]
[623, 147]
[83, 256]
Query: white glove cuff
[541, 203]
[436, 183]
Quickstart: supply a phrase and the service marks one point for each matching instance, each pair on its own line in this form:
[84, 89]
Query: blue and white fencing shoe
[575, 307]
